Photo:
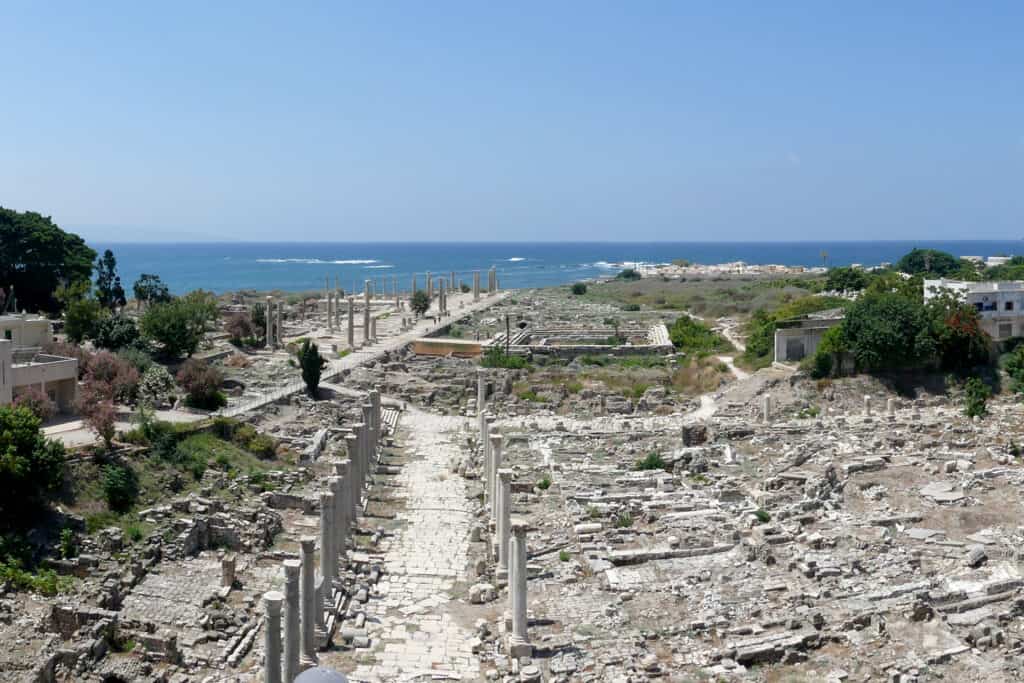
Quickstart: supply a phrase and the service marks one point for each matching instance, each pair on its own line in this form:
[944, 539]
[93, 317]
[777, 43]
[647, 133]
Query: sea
[300, 266]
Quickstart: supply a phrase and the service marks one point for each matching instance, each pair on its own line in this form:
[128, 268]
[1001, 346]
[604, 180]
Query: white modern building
[23, 363]
[1000, 304]
[798, 338]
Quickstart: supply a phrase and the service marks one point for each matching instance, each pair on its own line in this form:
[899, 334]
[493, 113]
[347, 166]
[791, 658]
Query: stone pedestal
[292, 621]
[518, 642]
[867, 406]
[307, 596]
[227, 571]
[766, 408]
[272, 637]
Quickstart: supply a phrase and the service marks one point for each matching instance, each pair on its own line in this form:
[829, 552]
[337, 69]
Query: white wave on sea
[516, 259]
[317, 261]
[380, 266]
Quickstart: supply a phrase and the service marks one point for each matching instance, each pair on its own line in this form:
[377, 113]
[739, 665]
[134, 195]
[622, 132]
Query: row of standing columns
[509, 545]
[768, 407]
[311, 600]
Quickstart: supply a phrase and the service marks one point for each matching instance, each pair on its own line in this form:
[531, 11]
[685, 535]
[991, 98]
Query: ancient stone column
[292, 627]
[430, 286]
[451, 281]
[867, 406]
[476, 285]
[270, 322]
[330, 312]
[351, 322]
[890, 407]
[496, 443]
[366, 311]
[485, 440]
[355, 494]
[307, 596]
[279, 337]
[413, 285]
[272, 637]
[440, 296]
[342, 508]
[766, 408]
[373, 329]
[481, 389]
[328, 556]
[519, 644]
[377, 417]
[320, 588]
[369, 447]
[503, 526]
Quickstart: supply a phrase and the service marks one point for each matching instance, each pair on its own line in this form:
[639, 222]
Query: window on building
[1008, 306]
[8, 334]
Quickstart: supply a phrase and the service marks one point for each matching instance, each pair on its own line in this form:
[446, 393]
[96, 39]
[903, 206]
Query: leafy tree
[36, 257]
[312, 365]
[202, 384]
[892, 282]
[960, 341]
[886, 331]
[928, 261]
[156, 386]
[30, 465]
[109, 291]
[1014, 366]
[845, 279]
[178, 326]
[420, 302]
[579, 288]
[151, 289]
[115, 332]
[68, 293]
[976, 395]
[81, 319]
[120, 487]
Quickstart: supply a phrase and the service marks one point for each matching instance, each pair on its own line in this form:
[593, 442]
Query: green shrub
[976, 395]
[564, 556]
[628, 274]
[762, 516]
[45, 582]
[544, 484]
[120, 487]
[312, 365]
[31, 466]
[623, 520]
[579, 288]
[693, 336]
[244, 434]
[630, 307]
[262, 446]
[531, 396]
[653, 461]
[496, 358]
[68, 546]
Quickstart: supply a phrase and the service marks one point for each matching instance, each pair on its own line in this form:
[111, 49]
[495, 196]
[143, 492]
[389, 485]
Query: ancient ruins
[448, 521]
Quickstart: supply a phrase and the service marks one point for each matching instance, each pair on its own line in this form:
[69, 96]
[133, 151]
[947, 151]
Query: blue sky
[515, 121]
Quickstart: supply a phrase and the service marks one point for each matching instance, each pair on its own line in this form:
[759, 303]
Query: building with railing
[999, 304]
[23, 364]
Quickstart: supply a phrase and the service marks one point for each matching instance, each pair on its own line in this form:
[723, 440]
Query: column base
[306, 662]
[519, 647]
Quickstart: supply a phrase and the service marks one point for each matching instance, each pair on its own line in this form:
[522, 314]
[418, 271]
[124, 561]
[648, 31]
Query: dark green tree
[109, 291]
[115, 332]
[420, 302]
[81, 319]
[177, 327]
[312, 365]
[259, 320]
[961, 343]
[31, 467]
[579, 288]
[120, 487]
[887, 331]
[976, 395]
[151, 289]
[846, 279]
[36, 257]
[928, 261]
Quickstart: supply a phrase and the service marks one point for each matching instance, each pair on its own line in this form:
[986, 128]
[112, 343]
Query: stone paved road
[416, 629]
